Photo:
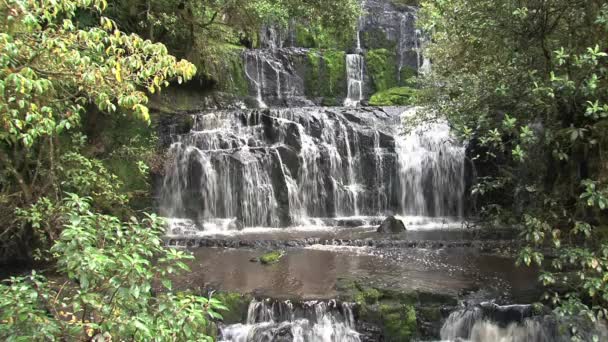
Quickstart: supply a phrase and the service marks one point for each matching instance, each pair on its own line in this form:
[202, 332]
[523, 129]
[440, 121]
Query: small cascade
[255, 76]
[423, 62]
[514, 323]
[354, 76]
[273, 76]
[272, 36]
[431, 171]
[382, 184]
[312, 321]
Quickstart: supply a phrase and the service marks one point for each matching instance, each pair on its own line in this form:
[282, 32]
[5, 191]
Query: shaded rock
[236, 225]
[391, 225]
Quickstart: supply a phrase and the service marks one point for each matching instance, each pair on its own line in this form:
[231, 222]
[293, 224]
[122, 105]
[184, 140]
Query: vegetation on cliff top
[207, 32]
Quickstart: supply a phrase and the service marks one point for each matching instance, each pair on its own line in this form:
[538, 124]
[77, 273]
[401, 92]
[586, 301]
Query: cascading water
[313, 321]
[515, 323]
[355, 73]
[272, 76]
[354, 76]
[290, 166]
[280, 167]
[431, 171]
[255, 76]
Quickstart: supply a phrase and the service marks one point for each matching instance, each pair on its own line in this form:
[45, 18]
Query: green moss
[407, 76]
[304, 37]
[321, 38]
[271, 257]
[327, 74]
[367, 296]
[382, 68]
[336, 70]
[237, 305]
[225, 69]
[401, 96]
[399, 322]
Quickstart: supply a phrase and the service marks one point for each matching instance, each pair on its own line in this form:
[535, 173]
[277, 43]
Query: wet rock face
[269, 167]
[281, 73]
[279, 167]
[391, 225]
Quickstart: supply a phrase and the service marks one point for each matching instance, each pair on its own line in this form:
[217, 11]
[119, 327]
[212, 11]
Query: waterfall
[255, 77]
[354, 76]
[514, 323]
[312, 321]
[282, 167]
[423, 62]
[431, 171]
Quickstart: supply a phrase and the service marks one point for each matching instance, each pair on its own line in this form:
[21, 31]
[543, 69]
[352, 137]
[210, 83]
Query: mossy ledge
[237, 305]
[401, 315]
[399, 96]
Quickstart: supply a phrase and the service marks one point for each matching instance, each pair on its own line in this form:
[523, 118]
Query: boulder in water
[391, 225]
[236, 225]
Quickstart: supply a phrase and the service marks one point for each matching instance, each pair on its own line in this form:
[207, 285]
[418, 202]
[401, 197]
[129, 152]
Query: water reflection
[314, 272]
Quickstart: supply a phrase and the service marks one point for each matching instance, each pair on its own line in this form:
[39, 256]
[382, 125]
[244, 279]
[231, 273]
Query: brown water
[313, 273]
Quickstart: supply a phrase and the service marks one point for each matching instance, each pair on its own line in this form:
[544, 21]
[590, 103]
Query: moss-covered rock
[271, 257]
[327, 75]
[225, 71]
[367, 296]
[400, 96]
[401, 315]
[399, 322]
[382, 68]
[320, 38]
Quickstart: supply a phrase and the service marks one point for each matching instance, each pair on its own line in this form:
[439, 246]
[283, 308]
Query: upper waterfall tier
[280, 167]
[385, 52]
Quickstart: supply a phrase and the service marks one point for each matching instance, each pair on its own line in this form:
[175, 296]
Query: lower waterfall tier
[280, 167]
[313, 321]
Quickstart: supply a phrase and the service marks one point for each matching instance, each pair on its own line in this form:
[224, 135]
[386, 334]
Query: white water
[226, 169]
[515, 323]
[315, 322]
[354, 75]
[256, 76]
[431, 171]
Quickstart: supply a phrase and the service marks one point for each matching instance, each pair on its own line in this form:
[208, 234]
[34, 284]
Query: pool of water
[314, 272]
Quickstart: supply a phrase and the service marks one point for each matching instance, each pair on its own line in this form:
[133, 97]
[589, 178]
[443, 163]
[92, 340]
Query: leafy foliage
[526, 83]
[108, 270]
[51, 72]
[208, 32]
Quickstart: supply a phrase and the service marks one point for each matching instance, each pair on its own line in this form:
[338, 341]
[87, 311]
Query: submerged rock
[236, 225]
[391, 225]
